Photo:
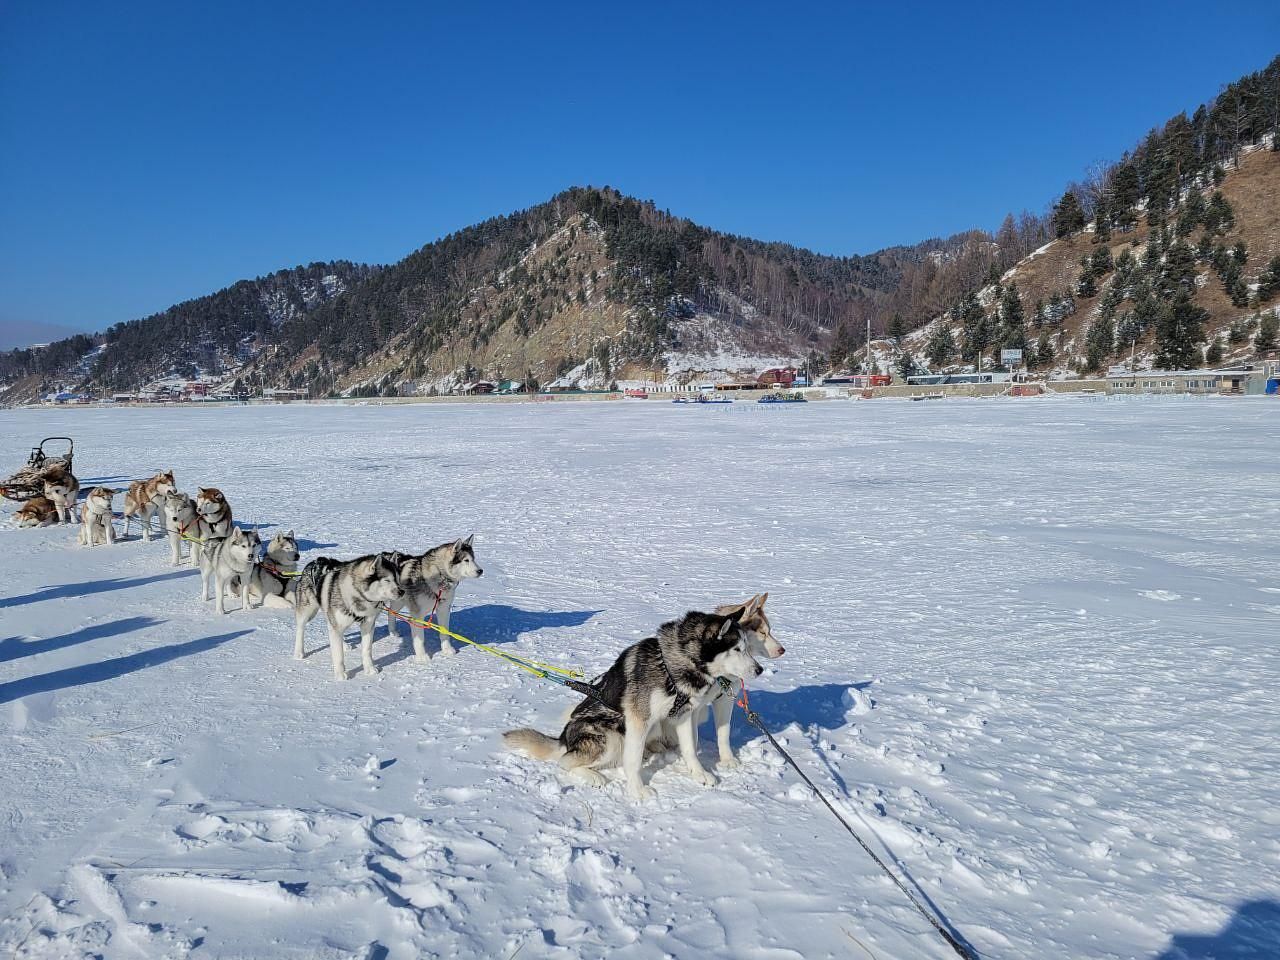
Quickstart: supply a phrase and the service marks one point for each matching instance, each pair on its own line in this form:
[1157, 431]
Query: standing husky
[268, 577]
[226, 560]
[95, 517]
[145, 499]
[758, 633]
[428, 583]
[668, 677]
[213, 518]
[61, 487]
[36, 512]
[179, 514]
[348, 591]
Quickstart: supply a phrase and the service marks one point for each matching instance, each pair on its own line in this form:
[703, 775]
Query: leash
[543, 671]
[272, 568]
[182, 532]
[753, 718]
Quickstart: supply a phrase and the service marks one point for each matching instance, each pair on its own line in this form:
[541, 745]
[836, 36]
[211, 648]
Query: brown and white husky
[36, 512]
[62, 488]
[145, 498]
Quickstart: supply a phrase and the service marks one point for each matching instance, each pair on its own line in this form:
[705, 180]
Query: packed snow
[1031, 655]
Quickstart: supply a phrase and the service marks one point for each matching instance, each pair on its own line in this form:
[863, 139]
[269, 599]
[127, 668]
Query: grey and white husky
[179, 513]
[348, 591]
[426, 577]
[226, 560]
[668, 677]
[268, 577]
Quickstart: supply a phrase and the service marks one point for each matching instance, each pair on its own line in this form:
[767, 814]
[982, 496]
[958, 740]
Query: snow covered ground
[1031, 651]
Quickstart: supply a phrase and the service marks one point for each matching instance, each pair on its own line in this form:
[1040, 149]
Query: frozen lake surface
[1031, 651]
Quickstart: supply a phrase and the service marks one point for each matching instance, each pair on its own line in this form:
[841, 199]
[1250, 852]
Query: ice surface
[1031, 652]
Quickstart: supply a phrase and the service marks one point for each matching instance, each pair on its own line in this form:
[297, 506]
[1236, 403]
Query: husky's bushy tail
[535, 744]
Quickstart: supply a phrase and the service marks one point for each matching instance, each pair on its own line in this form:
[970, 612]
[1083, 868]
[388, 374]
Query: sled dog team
[652, 698]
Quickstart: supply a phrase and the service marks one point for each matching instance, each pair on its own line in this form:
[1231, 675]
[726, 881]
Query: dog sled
[29, 481]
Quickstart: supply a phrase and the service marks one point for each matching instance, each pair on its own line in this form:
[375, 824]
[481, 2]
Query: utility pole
[868, 366]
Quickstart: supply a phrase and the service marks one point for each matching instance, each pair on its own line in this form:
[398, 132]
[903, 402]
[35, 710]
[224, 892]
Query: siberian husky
[145, 498]
[758, 633]
[36, 512]
[268, 577]
[213, 518]
[428, 583]
[95, 517]
[349, 592]
[225, 560]
[62, 488]
[671, 676]
[179, 513]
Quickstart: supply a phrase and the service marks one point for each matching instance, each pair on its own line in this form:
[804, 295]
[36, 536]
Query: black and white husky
[179, 513]
[349, 592]
[226, 561]
[428, 583]
[668, 677]
[758, 633]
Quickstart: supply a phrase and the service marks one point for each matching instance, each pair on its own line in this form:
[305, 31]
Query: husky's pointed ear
[199, 490]
[755, 603]
[290, 535]
[470, 537]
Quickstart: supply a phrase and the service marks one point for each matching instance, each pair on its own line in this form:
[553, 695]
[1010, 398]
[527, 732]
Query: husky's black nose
[758, 669]
[479, 572]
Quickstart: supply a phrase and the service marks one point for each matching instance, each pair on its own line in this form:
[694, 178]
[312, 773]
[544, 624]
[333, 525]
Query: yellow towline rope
[536, 667]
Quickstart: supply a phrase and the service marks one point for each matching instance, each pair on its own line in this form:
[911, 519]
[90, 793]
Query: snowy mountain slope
[1043, 688]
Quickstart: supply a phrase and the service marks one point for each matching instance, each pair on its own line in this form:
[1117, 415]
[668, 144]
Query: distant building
[777, 376]
[1234, 381]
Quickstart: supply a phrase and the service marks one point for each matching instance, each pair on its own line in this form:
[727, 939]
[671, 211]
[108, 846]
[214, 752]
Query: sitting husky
[36, 512]
[348, 591]
[213, 518]
[423, 579]
[95, 517]
[267, 580]
[179, 514]
[668, 677]
[226, 560]
[761, 642]
[145, 498]
[62, 488]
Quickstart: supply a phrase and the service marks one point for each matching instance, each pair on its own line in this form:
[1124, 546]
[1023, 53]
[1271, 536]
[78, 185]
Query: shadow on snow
[66, 590]
[13, 648]
[110, 669]
[1252, 933]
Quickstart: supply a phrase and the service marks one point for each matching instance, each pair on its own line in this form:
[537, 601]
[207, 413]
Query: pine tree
[1179, 332]
[842, 346]
[1013, 327]
[1068, 215]
[941, 347]
[1268, 331]
[1044, 351]
[897, 328]
[1099, 342]
[1213, 355]
[906, 365]
[1269, 280]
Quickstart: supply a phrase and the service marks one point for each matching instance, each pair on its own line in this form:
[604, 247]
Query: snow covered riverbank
[1031, 647]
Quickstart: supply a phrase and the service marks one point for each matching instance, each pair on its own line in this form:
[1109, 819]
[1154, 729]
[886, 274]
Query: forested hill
[1172, 254]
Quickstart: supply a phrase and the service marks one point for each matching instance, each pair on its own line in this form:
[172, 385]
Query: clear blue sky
[153, 152]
